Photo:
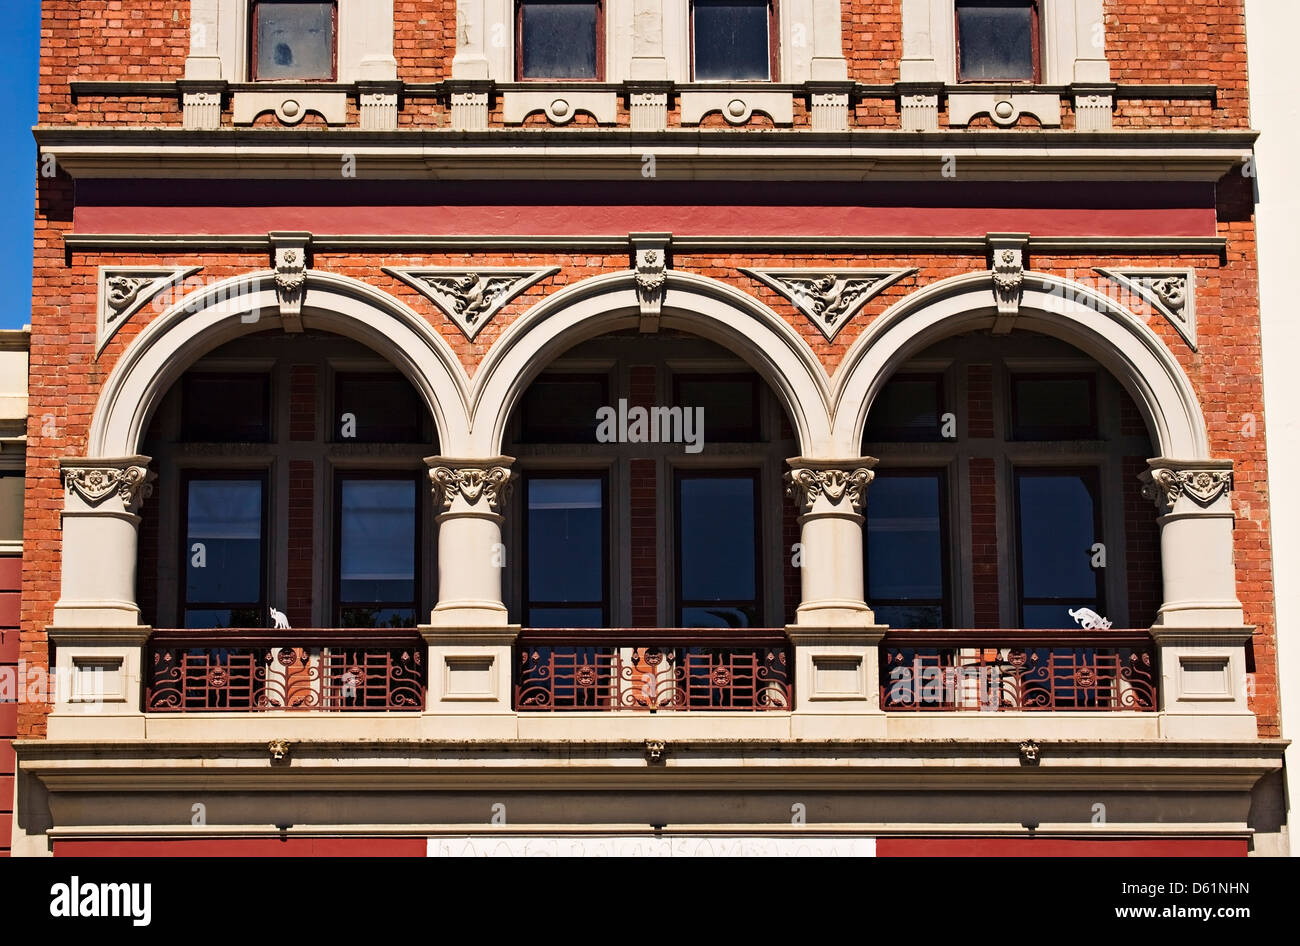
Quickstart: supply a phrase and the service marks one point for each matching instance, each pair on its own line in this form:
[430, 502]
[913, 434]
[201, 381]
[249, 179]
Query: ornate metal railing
[629, 670]
[1004, 670]
[251, 671]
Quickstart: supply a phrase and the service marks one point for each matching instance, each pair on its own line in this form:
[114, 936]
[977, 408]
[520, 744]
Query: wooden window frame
[526, 600]
[183, 603]
[340, 477]
[773, 44]
[600, 43]
[717, 473]
[945, 600]
[1035, 40]
[1092, 477]
[756, 418]
[1066, 434]
[254, 21]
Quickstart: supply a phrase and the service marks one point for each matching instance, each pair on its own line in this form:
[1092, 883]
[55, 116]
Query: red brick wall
[302, 524]
[10, 590]
[644, 540]
[1189, 42]
[1141, 548]
[984, 542]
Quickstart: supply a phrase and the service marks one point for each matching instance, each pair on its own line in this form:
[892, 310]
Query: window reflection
[224, 553]
[906, 544]
[1057, 520]
[377, 552]
[717, 530]
[566, 551]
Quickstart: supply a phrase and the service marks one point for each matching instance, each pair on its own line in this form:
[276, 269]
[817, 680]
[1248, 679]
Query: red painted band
[1060, 847]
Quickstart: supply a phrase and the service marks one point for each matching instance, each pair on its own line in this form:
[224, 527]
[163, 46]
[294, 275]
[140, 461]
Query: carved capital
[486, 481]
[650, 254]
[1167, 483]
[94, 481]
[840, 484]
[290, 251]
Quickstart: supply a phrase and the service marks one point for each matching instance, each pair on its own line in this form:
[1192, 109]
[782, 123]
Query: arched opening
[1006, 495]
[291, 475]
[650, 490]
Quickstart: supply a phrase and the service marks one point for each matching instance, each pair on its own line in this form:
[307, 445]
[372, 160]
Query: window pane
[729, 403]
[905, 547]
[377, 408]
[200, 618]
[906, 409]
[226, 408]
[566, 548]
[295, 41]
[720, 616]
[1054, 408]
[731, 38]
[565, 617]
[908, 615]
[11, 505]
[563, 410]
[716, 538]
[1057, 521]
[996, 40]
[377, 542]
[559, 40]
[223, 543]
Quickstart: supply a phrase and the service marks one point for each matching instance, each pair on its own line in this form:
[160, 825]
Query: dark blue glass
[731, 39]
[566, 549]
[223, 545]
[559, 40]
[377, 541]
[716, 523]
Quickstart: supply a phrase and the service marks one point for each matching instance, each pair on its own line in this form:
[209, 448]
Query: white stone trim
[120, 301]
[1067, 45]
[1119, 340]
[737, 105]
[1005, 110]
[215, 314]
[559, 107]
[692, 303]
[219, 40]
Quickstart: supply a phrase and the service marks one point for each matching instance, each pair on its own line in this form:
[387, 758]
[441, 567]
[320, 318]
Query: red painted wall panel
[11, 573]
[1060, 847]
[246, 847]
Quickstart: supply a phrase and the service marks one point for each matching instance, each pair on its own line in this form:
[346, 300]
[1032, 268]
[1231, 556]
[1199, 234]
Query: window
[567, 540]
[908, 408]
[1054, 407]
[907, 548]
[1058, 523]
[226, 408]
[377, 550]
[294, 40]
[225, 550]
[12, 484]
[378, 408]
[562, 408]
[732, 39]
[717, 549]
[997, 40]
[730, 403]
[560, 39]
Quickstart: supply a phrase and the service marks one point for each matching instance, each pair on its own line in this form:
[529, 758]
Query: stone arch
[692, 303]
[242, 305]
[1116, 338]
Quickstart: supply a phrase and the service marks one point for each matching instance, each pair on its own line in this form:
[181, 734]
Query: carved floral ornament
[808, 484]
[1167, 486]
[491, 484]
[95, 484]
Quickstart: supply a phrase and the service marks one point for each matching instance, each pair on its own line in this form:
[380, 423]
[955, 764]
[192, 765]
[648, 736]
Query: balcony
[335, 670]
[644, 670]
[1017, 670]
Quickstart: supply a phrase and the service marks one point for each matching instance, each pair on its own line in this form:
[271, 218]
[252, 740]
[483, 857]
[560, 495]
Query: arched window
[291, 476]
[650, 490]
[1006, 493]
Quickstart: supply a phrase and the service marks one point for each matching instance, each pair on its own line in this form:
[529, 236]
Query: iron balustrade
[1006, 670]
[649, 670]
[250, 671]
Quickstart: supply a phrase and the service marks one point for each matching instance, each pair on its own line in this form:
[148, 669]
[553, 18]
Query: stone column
[1200, 630]
[470, 638]
[835, 637]
[96, 624]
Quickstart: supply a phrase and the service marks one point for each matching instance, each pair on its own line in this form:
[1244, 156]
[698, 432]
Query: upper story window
[997, 41]
[732, 39]
[560, 39]
[294, 40]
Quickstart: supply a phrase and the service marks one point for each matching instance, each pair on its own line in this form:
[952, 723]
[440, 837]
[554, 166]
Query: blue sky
[19, 48]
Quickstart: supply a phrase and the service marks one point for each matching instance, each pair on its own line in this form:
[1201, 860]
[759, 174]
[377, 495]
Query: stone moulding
[837, 481]
[830, 298]
[94, 480]
[471, 296]
[1170, 291]
[453, 479]
[1166, 483]
[125, 290]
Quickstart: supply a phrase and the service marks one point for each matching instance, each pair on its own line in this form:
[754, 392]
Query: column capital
[829, 486]
[471, 485]
[1202, 481]
[94, 479]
